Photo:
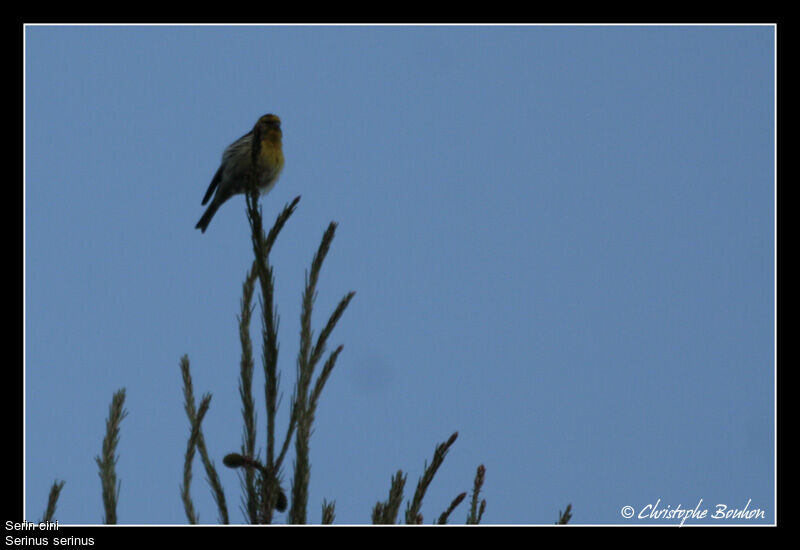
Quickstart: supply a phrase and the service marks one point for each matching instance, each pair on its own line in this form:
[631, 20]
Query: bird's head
[269, 123]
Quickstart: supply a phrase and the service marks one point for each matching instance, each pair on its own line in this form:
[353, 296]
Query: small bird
[232, 176]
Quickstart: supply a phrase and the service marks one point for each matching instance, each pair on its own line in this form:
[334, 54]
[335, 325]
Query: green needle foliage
[565, 516]
[328, 512]
[412, 511]
[249, 487]
[304, 402]
[52, 499]
[385, 513]
[107, 461]
[475, 512]
[446, 514]
[197, 441]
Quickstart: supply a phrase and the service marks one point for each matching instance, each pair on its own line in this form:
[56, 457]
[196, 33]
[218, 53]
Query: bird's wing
[214, 183]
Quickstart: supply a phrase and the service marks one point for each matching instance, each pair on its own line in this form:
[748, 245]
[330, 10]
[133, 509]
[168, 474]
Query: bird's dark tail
[206, 219]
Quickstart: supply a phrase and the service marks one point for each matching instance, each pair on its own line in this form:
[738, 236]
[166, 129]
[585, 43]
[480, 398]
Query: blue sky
[561, 239]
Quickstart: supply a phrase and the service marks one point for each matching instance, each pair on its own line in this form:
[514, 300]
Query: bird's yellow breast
[271, 154]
